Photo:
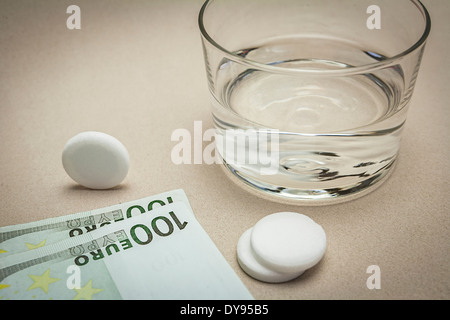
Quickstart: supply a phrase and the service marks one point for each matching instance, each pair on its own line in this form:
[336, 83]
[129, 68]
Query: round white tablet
[253, 268]
[288, 242]
[95, 160]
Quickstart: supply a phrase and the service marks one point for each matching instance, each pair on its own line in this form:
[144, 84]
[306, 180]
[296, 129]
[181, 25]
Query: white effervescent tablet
[288, 242]
[253, 268]
[95, 160]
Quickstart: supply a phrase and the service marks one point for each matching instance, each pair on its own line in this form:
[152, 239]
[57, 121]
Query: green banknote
[28, 236]
[162, 255]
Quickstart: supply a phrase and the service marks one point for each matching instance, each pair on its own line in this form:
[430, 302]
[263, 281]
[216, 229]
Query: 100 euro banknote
[163, 255]
[28, 236]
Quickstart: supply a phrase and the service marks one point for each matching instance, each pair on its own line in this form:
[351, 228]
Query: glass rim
[348, 70]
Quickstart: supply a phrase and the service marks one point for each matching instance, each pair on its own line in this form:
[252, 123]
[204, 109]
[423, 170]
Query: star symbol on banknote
[31, 246]
[86, 292]
[3, 286]
[42, 281]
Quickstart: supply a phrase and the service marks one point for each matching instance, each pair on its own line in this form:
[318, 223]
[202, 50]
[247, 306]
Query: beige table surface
[135, 70]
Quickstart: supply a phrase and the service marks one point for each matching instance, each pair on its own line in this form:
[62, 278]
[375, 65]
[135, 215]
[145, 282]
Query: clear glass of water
[309, 98]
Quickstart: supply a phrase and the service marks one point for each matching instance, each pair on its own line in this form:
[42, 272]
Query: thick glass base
[319, 196]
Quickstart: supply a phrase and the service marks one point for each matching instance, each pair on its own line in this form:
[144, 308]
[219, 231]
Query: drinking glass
[309, 98]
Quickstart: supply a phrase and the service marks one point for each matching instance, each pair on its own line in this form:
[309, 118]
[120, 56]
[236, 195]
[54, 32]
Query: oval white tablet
[253, 268]
[288, 242]
[95, 160]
